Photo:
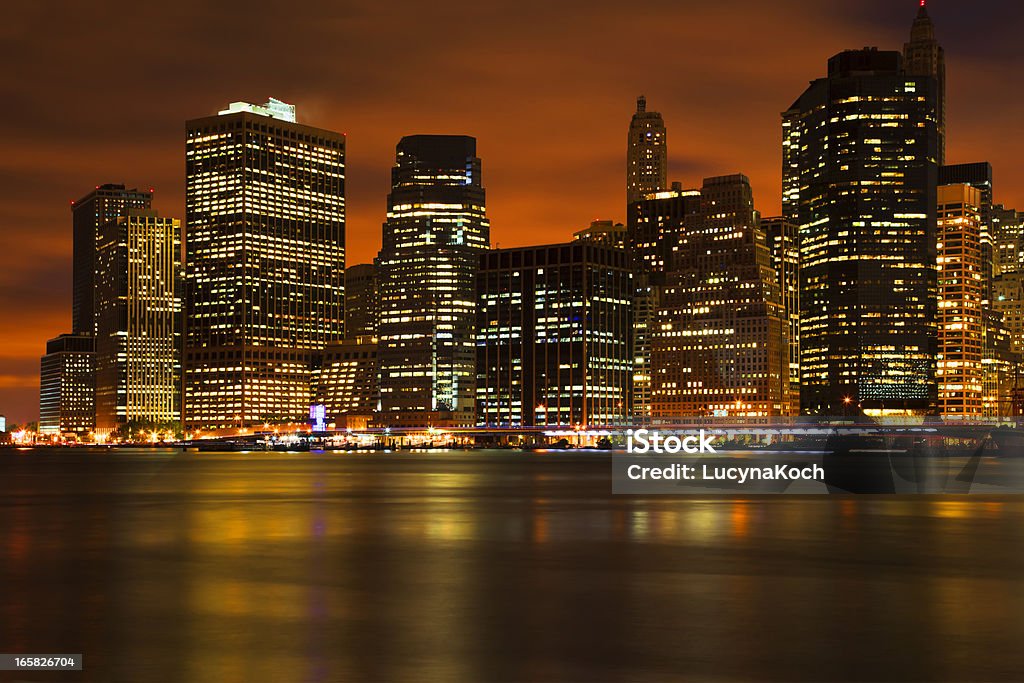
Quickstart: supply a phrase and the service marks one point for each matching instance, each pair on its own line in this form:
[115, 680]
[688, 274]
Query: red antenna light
[922, 3]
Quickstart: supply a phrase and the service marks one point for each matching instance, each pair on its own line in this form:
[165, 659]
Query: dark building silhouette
[553, 340]
[265, 263]
[435, 231]
[646, 153]
[95, 209]
[859, 179]
[923, 56]
[362, 300]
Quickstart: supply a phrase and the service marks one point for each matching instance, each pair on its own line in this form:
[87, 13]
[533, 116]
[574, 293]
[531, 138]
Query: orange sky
[99, 92]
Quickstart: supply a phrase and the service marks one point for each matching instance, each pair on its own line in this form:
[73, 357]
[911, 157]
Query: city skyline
[544, 207]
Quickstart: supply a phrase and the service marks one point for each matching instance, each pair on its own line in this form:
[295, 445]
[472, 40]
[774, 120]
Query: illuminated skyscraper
[859, 179]
[553, 340]
[138, 314]
[960, 372]
[66, 388]
[435, 231]
[265, 263]
[783, 240]
[95, 209]
[362, 301]
[923, 56]
[720, 345]
[646, 153]
[656, 224]
[1007, 240]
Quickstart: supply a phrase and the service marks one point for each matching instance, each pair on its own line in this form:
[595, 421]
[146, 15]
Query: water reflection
[490, 566]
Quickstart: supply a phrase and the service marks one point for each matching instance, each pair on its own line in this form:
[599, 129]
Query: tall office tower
[553, 341]
[977, 175]
[721, 344]
[66, 391]
[345, 382]
[97, 208]
[859, 178]
[960, 372]
[784, 257]
[923, 56]
[646, 153]
[608, 233]
[435, 231]
[1007, 239]
[138, 313]
[655, 225]
[265, 263]
[361, 300]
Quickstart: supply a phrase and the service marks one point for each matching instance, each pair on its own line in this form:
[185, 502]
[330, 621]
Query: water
[489, 566]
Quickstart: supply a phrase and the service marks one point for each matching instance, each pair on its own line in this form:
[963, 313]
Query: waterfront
[487, 566]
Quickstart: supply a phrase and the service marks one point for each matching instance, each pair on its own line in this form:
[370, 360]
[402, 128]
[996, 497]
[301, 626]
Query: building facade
[138, 318]
[646, 153]
[859, 179]
[923, 56]
[435, 231]
[720, 345]
[606, 232]
[66, 390]
[960, 372]
[553, 341]
[783, 240]
[97, 208]
[265, 263]
[362, 301]
[345, 381]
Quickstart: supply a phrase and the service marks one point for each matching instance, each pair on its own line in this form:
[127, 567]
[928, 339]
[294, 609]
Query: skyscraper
[66, 389]
[553, 340]
[720, 346]
[435, 231]
[923, 56]
[783, 240]
[859, 179]
[960, 372]
[138, 313]
[362, 301]
[646, 153]
[95, 209]
[265, 262]
[656, 224]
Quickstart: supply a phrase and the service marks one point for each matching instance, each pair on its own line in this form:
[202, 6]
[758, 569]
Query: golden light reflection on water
[269, 568]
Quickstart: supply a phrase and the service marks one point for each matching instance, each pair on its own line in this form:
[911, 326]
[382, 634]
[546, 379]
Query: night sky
[98, 92]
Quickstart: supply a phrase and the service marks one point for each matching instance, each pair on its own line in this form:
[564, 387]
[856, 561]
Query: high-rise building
[783, 240]
[362, 302]
[265, 263]
[977, 175]
[97, 208]
[435, 231]
[646, 153]
[655, 226]
[553, 340]
[960, 372]
[138, 314]
[923, 56]
[66, 390]
[345, 381]
[1007, 240]
[720, 345]
[859, 179]
[606, 232]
